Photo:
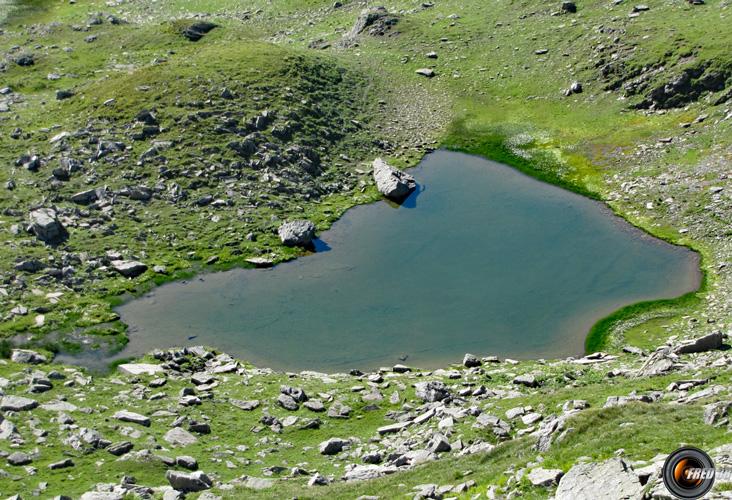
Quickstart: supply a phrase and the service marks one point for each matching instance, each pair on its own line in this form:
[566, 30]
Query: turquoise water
[483, 259]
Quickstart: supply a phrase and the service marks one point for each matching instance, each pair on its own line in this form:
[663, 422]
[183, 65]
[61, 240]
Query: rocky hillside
[195, 420]
[147, 141]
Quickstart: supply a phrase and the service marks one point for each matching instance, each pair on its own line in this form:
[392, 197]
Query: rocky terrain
[194, 420]
[142, 142]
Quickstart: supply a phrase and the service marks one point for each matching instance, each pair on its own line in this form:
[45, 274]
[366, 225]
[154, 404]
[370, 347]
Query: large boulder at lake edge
[297, 233]
[129, 268]
[392, 182]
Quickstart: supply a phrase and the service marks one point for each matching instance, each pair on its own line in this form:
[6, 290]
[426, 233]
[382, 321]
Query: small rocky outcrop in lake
[392, 182]
[297, 233]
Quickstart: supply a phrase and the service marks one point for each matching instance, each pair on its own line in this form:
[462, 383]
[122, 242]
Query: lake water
[482, 259]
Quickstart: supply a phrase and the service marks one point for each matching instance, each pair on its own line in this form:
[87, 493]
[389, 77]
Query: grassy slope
[498, 90]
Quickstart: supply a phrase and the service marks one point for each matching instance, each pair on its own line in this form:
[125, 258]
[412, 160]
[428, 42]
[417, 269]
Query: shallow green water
[483, 259]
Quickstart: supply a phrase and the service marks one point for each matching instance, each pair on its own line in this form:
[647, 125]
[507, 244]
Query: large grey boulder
[332, 446]
[297, 233]
[129, 268]
[180, 437]
[544, 477]
[17, 403]
[706, 343]
[391, 182]
[614, 479]
[27, 356]
[194, 481]
[46, 226]
[431, 391]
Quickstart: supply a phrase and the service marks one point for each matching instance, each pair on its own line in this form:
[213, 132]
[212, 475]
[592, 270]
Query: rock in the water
[611, 479]
[46, 226]
[297, 233]
[129, 268]
[332, 446]
[188, 482]
[392, 182]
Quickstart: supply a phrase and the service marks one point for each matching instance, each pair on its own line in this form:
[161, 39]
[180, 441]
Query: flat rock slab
[140, 369]
[130, 416]
[17, 403]
[180, 437]
[614, 478]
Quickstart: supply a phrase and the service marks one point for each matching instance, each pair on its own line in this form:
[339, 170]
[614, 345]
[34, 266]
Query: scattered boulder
[119, 449]
[297, 233]
[287, 402]
[718, 414]
[17, 403]
[391, 182]
[569, 7]
[375, 21]
[132, 417]
[27, 356]
[194, 32]
[19, 458]
[431, 391]
[614, 478]
[64, 94]
[188, 482]
[332, 446]
[706, 343]
[46, 226]
[140, 369]
[544, 477]
[129, 268]
[186, 462]
[427, 72]
[180, 437]
[526, 380]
